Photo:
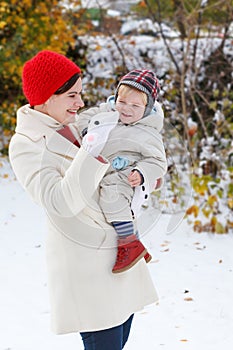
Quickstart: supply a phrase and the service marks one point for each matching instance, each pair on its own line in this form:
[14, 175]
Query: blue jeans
[107, 339]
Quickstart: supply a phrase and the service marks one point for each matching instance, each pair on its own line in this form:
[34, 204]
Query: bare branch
[162, 33]
[199, 114]
[115, 41]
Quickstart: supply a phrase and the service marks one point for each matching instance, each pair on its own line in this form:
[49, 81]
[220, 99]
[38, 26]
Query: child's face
[131, 107]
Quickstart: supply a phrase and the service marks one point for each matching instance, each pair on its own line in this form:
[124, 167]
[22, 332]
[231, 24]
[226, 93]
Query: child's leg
[130, 250]
[124, 228]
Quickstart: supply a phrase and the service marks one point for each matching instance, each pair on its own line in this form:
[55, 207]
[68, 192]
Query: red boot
[147, 257]
[130, 250]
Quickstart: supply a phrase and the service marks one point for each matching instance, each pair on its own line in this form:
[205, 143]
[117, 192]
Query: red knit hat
[44, 74]
[143, 80]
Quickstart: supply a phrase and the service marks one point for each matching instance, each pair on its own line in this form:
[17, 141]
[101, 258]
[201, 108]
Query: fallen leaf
[188, 299]
[183, 340]
[165, 250]
[220, 261]
[201, 248]
[165, 243]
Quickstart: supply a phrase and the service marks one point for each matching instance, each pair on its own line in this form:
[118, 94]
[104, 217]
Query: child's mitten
[98, 131]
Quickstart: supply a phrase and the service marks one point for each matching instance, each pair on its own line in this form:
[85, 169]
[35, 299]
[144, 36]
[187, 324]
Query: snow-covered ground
[193, 274]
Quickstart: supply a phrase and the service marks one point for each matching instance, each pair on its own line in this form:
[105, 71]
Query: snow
[113, 13]
[94, 3]
[147, 26]
[103, 56]
[116, 4]
[193, 274]
[204, 3]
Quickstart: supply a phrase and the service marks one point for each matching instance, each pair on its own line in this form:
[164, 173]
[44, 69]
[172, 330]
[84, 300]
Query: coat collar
[36, 125]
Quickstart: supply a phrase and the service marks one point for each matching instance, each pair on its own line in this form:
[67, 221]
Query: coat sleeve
[85, 116]
[153, 164]
[38, 172]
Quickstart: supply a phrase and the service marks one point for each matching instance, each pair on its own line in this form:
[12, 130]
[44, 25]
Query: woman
[62, 176]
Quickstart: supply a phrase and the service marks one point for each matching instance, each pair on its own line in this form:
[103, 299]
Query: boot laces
[122, 254]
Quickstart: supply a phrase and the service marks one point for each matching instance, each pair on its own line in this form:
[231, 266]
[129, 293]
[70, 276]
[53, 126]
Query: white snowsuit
[133, 146]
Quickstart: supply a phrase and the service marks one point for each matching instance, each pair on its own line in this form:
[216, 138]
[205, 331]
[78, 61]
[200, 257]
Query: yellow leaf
[211, 200]
[193, 210]
[206, 212]
[197, 226]
[98, 47]
[219, 228]
[213, 105]
[2, 24]
[164, 202]
[213, 221]
[230, 203]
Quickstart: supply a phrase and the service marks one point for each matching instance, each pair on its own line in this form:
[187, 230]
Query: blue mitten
[120, 163]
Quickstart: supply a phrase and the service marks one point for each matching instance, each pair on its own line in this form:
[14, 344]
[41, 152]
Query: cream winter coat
[81, 247]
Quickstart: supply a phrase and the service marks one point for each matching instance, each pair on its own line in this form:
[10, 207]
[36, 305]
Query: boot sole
[149, 258]
[132, 263]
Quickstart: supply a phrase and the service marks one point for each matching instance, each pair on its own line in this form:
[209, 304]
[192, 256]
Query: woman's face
[64, 107]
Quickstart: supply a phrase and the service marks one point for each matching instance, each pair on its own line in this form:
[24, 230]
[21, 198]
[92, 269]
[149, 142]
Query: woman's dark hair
[68, 85]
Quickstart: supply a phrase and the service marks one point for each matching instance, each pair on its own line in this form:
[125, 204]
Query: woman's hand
[135, 178]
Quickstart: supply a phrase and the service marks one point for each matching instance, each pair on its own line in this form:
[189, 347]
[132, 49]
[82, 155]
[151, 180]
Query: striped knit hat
[145, 81]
